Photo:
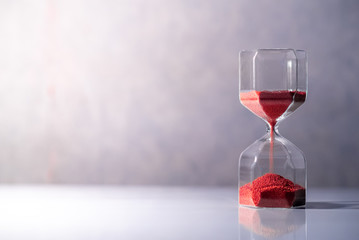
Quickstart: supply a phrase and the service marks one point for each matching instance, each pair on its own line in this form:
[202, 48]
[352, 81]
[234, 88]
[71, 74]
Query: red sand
[270, 105]
[272, 190]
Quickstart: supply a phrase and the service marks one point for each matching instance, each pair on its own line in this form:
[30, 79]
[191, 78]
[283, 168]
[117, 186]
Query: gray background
[146, 92]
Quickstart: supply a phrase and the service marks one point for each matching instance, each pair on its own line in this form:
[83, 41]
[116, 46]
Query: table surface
[90, 212]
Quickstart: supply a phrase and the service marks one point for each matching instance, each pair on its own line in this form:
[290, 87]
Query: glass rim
[271, 49]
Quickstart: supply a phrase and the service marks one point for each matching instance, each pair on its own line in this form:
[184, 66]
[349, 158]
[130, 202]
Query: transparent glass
[272, 171]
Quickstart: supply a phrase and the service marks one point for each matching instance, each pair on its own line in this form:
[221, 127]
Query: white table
[75, 212]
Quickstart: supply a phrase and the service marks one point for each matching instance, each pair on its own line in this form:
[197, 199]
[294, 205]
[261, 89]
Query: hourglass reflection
[272, 171]
[269, 223]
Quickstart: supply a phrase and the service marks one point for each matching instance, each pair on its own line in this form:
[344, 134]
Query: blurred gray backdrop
[146, 92]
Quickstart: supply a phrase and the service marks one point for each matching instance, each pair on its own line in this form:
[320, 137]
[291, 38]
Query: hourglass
[272, 171]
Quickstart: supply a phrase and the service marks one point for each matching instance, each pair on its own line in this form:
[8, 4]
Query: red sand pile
[272, 190]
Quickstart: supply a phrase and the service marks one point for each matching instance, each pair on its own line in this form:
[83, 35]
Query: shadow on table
[333, 205]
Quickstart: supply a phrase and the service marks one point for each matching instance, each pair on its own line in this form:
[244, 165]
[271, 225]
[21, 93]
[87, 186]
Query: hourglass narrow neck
[272, 128]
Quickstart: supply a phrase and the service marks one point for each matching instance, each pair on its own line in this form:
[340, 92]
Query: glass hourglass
[272, 171]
